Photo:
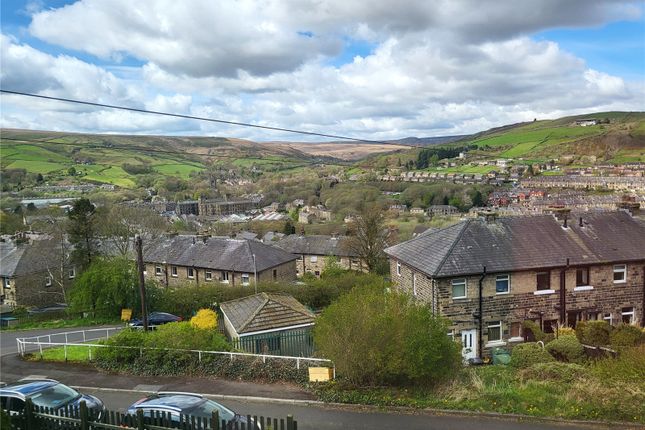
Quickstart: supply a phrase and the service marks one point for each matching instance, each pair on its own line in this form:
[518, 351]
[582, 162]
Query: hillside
[620, 140]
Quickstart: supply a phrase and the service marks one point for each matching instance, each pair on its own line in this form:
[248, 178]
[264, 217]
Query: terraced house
[202, 260]
[488, 275]
[314, 251]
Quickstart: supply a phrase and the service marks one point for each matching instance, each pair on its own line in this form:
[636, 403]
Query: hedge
[527, 354]
[566, 348]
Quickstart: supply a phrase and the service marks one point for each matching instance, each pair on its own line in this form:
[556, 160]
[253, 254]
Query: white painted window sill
[620, 282]
[516, 339]
[543, 292]
[583, 288]
[495, 343]
[459, 298]
[502, 294]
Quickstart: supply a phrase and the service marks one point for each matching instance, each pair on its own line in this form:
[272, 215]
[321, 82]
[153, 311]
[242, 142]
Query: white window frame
[246, 276]
[608, 316]
[208, 275]
[459, 282]
[6, 283]
[48, 281]
[158, 271]
[414, 284]
[188, 270]
[508, 279]
[620, 268]
[632, 314]
[173, 271]
[225, 277]
[313, 259]
[398, 268]
[71, 273]
[494, 324]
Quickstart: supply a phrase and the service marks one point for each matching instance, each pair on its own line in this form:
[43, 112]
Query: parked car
[177, 404]
[47, 393]
[156, 319]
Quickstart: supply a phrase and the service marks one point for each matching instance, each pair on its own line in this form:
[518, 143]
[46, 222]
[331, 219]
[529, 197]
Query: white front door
[469, 343]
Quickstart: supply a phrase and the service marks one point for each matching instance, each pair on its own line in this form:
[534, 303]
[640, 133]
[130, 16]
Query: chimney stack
[580, 222]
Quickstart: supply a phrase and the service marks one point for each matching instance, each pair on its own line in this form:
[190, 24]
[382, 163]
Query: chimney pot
[580, 222]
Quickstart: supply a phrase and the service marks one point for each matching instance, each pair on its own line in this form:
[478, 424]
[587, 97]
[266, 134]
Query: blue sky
[366, 70]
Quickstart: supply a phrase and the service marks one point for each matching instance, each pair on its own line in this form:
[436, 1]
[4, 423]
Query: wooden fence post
[85, 421]
[30, 419]
[140, 423]
[215, 420]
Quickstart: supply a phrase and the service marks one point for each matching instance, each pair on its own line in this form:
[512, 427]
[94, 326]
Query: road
[120, 391]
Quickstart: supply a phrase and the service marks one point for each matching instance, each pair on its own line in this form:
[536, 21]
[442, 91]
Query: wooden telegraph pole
[138, 243]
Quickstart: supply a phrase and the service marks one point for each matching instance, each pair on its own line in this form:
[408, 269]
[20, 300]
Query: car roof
[26, 388]
[176, 402]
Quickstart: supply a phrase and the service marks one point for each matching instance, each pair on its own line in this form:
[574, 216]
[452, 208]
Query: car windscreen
[205, 409]
[54, 396]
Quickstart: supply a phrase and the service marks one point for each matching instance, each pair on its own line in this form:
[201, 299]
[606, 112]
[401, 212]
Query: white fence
[36, 344]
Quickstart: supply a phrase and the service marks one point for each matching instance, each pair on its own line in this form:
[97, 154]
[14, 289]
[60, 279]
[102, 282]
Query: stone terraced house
[313, 251]
[203, 260]
[489, 275]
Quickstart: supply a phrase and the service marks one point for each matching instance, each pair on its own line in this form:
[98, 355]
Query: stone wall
[316, 265]
[31, 290]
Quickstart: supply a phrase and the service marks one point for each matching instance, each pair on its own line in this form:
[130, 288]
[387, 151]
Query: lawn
[75, 353]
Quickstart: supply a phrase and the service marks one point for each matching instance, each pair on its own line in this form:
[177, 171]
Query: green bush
[555, 371]
[378, 338]
[594, 333]
[626, 335]
[527, 354]
[533, 328]
[566, 348]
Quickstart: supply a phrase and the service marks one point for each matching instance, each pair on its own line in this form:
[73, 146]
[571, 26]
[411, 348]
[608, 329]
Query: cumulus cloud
[444, 67]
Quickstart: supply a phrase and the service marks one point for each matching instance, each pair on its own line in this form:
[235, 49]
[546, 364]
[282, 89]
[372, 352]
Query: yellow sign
[126, 314]
[320, 374]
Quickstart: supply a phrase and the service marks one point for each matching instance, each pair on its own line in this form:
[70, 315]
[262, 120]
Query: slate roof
[266, 311]
[317, 245]
[523, 243]
[27, 258]
[215, 253]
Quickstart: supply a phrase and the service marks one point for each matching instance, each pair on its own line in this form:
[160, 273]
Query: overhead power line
[219, 121]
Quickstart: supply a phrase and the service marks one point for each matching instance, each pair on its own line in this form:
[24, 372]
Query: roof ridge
[437, 231]
[289, 306]
[452, 247]
[256, 312]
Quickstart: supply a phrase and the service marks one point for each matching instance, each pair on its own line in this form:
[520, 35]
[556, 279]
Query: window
[245, 279]
[628, 315]
[620, 273]
[313, 258]
[458, 288]
[516, 330]
[275, 274]
[225, 277]
[503, 284]
[173, 271]
[543, 281]
[6, 282]
[607, 317]
[71, 273]
[398, 268]
[451, 334]
[158, 271]
[48, 281]
[208, 276]
[317, 272]
[191, 273]
[495, 331]
[414, 284]
[582, 277]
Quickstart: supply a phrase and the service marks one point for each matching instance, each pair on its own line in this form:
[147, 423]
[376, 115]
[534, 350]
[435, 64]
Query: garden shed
[269, 323]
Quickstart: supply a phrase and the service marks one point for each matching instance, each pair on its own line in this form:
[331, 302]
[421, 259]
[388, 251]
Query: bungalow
[488, 275]
[313, 251]
[269, 323]
[180, 260]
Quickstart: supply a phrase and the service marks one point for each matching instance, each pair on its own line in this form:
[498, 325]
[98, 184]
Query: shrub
[378, 338]
[566, 331]
[533, 330]
[594, 333]
[566, 348]
[527, 354]
[556, 371]
[205, 319]
[626, 335]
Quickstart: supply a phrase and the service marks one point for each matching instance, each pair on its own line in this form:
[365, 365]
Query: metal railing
[42, 342]
[80, 336]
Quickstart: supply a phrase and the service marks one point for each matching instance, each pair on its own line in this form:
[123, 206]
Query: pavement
[274, 400]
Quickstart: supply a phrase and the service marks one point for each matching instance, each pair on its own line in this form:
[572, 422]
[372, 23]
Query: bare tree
[369, 237]
[57, 227]
[122, 223]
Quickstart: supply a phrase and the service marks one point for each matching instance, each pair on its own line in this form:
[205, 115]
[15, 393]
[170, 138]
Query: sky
[366, 70]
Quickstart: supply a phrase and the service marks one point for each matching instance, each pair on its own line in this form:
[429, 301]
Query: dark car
[47, 393]
[186, 404]
[156, 319]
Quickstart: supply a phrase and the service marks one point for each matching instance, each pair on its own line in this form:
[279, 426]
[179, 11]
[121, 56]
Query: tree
[71, 171]
[31, 207]
[82, 232]
[105, 287]
[369, 236]
[376, 337]
[122, 223]
[39, 178]
[289, 228]
[478, 199]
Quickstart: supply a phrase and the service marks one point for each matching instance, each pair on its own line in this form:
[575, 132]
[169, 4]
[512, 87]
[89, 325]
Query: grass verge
[61, 323]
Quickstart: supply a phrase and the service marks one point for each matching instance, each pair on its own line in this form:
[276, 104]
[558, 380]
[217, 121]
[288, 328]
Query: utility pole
[138, 243]
[255, 274]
